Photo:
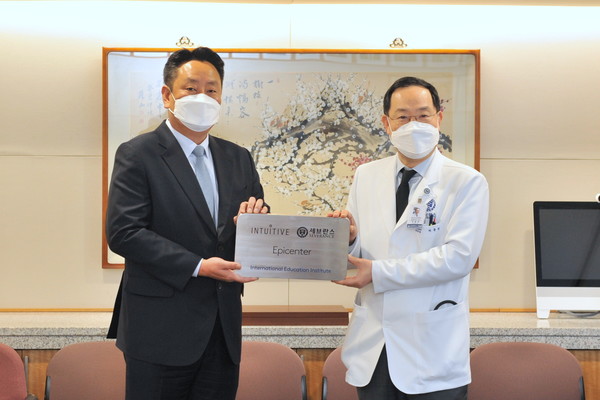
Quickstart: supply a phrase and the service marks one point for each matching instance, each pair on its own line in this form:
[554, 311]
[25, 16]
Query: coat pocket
[148, 287]
[443, 341]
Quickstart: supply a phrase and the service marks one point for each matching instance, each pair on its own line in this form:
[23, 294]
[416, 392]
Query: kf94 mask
[416, 139]
[198, 112]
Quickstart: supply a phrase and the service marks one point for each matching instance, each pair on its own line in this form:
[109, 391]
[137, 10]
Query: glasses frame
[399, 120]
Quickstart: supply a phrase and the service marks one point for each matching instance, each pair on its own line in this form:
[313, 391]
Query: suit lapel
[386, 193]
[222, 163]
[182, 171]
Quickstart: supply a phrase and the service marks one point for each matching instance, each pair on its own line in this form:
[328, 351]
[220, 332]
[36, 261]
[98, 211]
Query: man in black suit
[174, 197]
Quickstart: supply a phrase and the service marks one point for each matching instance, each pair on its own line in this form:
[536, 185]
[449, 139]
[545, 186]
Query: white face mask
[416, 139]
[198, 112]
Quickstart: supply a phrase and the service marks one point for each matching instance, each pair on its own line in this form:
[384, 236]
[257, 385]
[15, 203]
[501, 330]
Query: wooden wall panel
[313, 362]
[38, 362]
[590, 363]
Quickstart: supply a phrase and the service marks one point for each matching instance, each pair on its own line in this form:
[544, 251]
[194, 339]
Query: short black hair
[183, 56]
[406, 82]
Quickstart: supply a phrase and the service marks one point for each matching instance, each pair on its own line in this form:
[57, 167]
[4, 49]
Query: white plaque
[283, 246]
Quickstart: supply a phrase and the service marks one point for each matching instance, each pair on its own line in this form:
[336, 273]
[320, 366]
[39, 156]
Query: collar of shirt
[421, 169]
[188, 145]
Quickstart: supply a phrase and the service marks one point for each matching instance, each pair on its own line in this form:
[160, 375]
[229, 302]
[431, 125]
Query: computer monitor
[567, 256]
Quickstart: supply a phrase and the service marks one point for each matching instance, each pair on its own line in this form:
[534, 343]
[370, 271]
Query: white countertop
[54, 330]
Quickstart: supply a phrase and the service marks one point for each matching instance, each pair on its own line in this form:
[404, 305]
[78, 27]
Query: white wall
[540, 134]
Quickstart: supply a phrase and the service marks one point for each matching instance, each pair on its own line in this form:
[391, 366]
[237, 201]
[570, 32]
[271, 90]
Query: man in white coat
[409, 333]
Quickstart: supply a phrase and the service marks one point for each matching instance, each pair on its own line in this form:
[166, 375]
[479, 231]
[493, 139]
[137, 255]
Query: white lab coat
[412, 272]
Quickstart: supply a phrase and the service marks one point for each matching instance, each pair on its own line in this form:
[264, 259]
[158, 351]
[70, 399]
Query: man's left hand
[364, 275]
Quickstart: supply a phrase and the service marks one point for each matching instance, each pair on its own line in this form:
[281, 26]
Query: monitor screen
[567, 243]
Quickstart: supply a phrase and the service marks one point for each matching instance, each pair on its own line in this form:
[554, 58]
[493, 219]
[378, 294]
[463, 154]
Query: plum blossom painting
[309, 117]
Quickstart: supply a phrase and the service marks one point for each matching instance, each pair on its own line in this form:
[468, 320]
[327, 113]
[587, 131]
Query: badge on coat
[416, 218]
[423, 214]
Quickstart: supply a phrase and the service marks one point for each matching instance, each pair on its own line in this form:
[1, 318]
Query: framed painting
[309, 117]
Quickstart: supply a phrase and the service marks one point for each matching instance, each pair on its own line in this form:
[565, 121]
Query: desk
[40, 335]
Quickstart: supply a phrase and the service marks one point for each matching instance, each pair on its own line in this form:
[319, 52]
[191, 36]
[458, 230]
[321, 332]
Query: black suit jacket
[158, 220]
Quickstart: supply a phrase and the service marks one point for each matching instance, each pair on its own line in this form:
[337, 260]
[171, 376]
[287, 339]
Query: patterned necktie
[204, 179]
[403, 191]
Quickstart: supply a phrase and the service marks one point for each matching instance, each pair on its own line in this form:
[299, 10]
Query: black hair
[183, 56]
[406, 82]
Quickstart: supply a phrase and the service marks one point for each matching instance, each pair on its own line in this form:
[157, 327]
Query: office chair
[13, 376]
[525, 371]
[270, 371]
[335, 386]
[90, 371]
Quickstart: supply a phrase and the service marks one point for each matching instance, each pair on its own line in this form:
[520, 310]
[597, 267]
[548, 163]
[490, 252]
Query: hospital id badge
[416, 218]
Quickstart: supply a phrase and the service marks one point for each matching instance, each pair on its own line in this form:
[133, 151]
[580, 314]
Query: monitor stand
[566, 299]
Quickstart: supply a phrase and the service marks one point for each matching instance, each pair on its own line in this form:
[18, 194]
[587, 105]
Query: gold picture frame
[308, 116]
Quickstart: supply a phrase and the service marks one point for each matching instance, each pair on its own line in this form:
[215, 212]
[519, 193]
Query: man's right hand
[217, 268]
[252, 206]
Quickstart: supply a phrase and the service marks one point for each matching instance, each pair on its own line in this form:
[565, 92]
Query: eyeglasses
[404, 119]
